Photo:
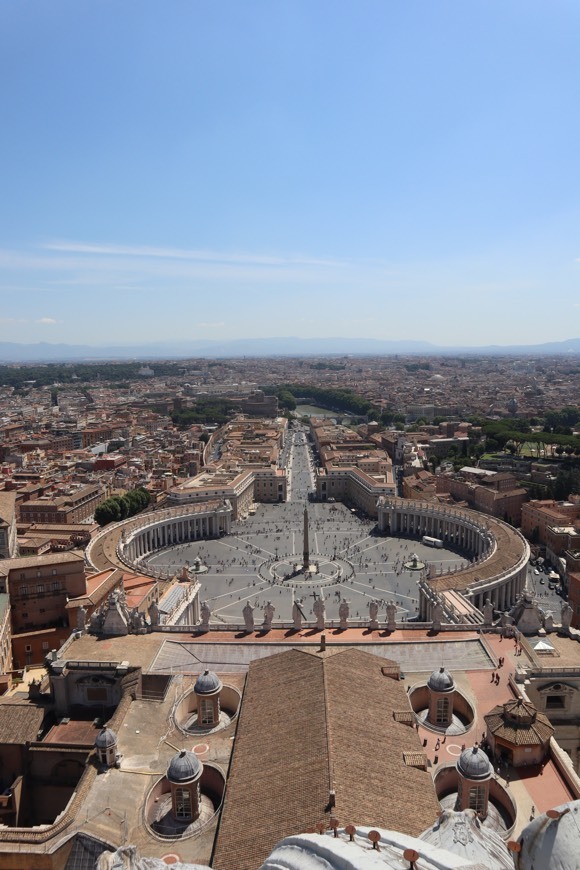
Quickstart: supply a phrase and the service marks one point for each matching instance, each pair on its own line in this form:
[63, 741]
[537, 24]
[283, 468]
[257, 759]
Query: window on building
[183, 803]
[24, 590]
[205, 711]
[555, 702]
[27, 648]
[45, 644]
[477, 798]
[56, 586]
[442, 713]
[54, 571]
[40, 589]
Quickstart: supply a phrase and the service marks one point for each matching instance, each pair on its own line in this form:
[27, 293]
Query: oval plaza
[490, 557]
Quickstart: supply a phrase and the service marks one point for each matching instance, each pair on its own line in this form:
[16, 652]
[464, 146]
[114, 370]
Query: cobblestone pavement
[254, 562]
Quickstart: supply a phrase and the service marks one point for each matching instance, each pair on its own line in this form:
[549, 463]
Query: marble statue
[81, 618]
[373, 613]
[487, 611]
[297, 614]
[391, 616]
[154, 613]
[319, 611]
[248, 612]
[566, 615]
[269, 611]
[135, 620]
[506, 619]
[95, 622]
[343, 613]
[184, 575]
[205, 615]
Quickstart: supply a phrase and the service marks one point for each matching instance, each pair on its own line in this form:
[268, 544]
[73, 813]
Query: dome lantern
[441, 687]
[184, 773]
[207, 691]
[106, 747]
[475, 772]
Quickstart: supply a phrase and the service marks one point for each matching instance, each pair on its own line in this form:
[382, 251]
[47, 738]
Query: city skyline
[193, 173]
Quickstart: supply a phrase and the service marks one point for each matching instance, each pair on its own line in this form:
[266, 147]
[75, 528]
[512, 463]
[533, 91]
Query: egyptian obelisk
[306, 563]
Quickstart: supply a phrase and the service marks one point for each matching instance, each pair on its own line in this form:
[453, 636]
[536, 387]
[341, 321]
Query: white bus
[431, 542]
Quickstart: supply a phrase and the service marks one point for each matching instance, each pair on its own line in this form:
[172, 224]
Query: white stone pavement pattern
[352, 561]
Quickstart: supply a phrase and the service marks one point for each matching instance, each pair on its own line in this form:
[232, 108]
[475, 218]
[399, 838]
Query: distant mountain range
[11, 352]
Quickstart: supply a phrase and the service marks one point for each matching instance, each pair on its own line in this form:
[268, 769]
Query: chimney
[322, 643]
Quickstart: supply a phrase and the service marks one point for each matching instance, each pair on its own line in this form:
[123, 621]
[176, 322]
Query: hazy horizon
[386, 171]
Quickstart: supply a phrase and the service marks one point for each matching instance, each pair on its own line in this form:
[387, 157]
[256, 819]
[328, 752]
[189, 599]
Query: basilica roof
[317, 736]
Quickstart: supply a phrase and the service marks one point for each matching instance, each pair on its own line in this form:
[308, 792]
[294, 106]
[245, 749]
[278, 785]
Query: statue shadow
[385, 633]
[263, 632]
[432, 632]
[339, 630]
[311, 632]
[241, 634]
[290, 632]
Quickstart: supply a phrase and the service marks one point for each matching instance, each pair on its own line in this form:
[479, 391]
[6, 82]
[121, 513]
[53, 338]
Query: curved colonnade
[499, 554]
[136, 538]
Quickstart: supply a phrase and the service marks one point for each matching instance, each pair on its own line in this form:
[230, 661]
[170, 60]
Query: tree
[107, 512]
[118, 507]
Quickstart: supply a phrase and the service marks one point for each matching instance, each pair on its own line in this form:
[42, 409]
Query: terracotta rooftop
[19, 723]
[281, 778]
[519, 723]
[38, 561]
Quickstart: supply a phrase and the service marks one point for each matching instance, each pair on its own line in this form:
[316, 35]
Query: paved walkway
[530, 786]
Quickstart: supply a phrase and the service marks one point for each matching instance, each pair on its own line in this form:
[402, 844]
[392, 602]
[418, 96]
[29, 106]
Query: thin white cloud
[110, 269]
[187, 254]
[13, 320]
[48, 321]
[211, 325]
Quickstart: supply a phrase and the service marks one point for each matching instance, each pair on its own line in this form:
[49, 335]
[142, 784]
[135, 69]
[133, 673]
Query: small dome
[207, 683]
[105, 739]
[184, 766]
[474, 764]
[551, 840]
[441, 681]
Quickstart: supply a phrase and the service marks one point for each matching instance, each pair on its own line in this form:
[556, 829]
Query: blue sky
[186, 169]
